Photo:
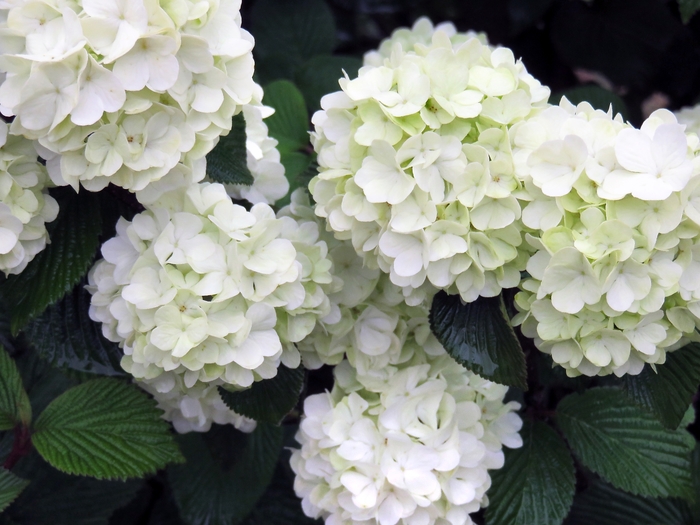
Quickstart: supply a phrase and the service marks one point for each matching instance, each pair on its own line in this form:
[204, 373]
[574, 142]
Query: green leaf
[537, 483]
[602, 504]
[479, 336]
[227, 162]
[296, 29]
[66, 337]
[290, 122]
[268, 400]
[668, 391]
[596, 96]
[319, 76]
[626, 445]
[688, 8]
[10, 487]
[226, 473]
[15, 408]
[695, 469]
[55, 271]
[42, 382]
[106, 429]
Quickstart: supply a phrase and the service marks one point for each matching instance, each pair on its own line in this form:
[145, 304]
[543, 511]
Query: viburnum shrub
[412, 289]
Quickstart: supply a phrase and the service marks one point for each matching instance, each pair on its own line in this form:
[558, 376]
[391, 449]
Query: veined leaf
[15, 408]
[10, 487]
[289, 124]
[227, 163]
[105, 429]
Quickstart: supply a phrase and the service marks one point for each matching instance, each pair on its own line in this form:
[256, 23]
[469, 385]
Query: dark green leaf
[596, 96]
[602, 504]
[695, 469]
[106, 429]
[268, 400]
[43, 382]
[625, 444]
[319, 76]
[227, 162]
[52, 273]
[10, 487]
[54, 498]
[668, 391]
[688, 9]
[290, 122]
[479, 336]
[296, 164]
[537, 483]
[221, 483]
[14, 402]
[65, 336]
[299, 29]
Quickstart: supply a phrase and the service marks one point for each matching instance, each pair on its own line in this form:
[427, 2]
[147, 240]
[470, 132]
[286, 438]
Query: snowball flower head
[121, 91]
[198, 286]
[415, 164]
[25, 204]
[613, 218]
[412, 448]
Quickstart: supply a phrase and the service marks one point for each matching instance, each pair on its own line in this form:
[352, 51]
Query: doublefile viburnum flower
[25, 205]
[612, 221]
[200, 287]
[410, 447]
[123, 90]
[415, 163]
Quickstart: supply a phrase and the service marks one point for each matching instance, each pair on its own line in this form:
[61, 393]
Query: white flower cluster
[415, 164]
[410, 448]
[121, 91]
[25, 205]
[614, 213]
[200, 287]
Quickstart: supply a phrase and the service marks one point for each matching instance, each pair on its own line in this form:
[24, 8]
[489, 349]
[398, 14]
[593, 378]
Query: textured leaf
[14, 402]
[221, 483]
[596, 96]
[227, 162]
[537, 483]
[479, 336]
[668, 391]
[602, 504]
[55, 271]
[10, 487]
[299, 29]
[54, 498]
[66, 337]
[626, 445]
[695, 469]
[688, 9]
[289, 124]
[106, 429]
[319, 76]
[268, 400]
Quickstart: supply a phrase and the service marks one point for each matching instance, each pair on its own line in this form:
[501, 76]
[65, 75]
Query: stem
[21, 446]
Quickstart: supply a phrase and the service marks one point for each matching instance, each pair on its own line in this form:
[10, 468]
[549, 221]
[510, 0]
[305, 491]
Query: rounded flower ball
[25, 204]
[415, 164]
[614, 222]
[122, 91]
[411, 448]
[198, 286]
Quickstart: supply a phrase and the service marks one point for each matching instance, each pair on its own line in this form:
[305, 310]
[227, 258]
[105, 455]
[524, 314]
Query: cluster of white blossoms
[25, 205]
[415, 164]
[200, 287]
[614, 216]
[121, 91]
[412, 447]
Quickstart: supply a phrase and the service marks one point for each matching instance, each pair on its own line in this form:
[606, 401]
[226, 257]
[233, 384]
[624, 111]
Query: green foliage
[320, 75]
[56, 270]
[625, 444]
[10, 487]
[106, 429]
[290, 122]
[15, 407]
[226, 473]
[688, 9]
[668, 390]
[66, 337]
[602, 504]
[479, 336]
[537, 483]
[596, 96]
[268, 400]
[227, 162]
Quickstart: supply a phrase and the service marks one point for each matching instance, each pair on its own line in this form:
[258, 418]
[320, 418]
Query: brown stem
[21, 446]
